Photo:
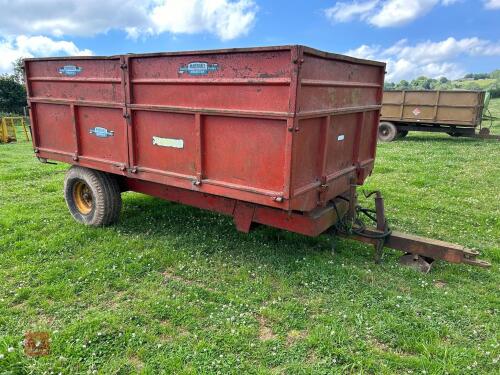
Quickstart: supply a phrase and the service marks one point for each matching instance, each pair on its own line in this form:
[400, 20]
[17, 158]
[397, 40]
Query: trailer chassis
[454, 131]
[337, 217]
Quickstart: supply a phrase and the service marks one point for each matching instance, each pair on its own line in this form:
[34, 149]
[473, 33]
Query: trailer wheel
[93, 197]
[387, 131]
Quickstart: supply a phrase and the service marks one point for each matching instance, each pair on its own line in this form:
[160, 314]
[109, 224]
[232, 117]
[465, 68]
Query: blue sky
[415, 37]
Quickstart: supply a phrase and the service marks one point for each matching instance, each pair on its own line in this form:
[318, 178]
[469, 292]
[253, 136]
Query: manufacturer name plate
[70, 70]
[340, 137]
[101, 132]
[168, 142]
[198, 68]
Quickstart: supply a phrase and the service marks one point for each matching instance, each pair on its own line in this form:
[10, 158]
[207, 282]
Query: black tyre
[93, 197]
[387, 131]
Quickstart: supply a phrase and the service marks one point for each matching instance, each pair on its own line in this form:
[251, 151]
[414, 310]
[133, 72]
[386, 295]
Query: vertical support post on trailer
[402, 109]
[436, 106]
[32, 113]
[199, 149]
[323, 154]
[74, 121]
[128, 114]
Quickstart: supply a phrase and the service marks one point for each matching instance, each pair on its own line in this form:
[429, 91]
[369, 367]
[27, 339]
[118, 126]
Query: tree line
[12, 90]
[472, 81]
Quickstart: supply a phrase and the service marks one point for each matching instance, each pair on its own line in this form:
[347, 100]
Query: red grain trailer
[276, 135]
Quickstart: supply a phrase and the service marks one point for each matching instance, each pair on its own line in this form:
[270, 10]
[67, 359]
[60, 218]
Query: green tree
[389, 86]
[495, 74]
[12, 94]
[422, 83]
[12, 90]
[403, 85]
[19, 70]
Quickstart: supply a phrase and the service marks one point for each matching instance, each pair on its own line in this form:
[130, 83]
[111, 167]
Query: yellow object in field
[8, 129]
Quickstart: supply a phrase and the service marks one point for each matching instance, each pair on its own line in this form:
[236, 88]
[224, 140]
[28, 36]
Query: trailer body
[456, 112]
[280, 136]
[287, 127]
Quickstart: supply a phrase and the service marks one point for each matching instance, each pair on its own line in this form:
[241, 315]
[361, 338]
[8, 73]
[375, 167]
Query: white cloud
[29, 46]
[343, 12]
[432, 59]
[223, 18]
[400, 12]
[227, 19]
[492, 4]
[70, 17]
[383, 13]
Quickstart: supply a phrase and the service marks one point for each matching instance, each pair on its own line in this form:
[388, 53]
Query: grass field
[484, 84]
[173, 289]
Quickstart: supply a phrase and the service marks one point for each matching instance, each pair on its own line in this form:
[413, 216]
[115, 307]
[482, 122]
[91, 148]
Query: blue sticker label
[197, 68]
[70, 70]
[101, 132]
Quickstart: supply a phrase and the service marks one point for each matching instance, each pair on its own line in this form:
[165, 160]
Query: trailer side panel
[288, 127]
[461, 108]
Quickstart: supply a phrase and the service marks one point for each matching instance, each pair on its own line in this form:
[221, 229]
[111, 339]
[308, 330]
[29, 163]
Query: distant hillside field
[473, 81]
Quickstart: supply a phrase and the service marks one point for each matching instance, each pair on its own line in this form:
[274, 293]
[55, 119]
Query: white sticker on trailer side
[168, 142]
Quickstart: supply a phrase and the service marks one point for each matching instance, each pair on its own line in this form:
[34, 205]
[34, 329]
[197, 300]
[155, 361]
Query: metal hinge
[323, 184]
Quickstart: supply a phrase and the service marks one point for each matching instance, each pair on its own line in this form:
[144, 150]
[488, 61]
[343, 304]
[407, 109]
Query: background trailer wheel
[387, 131]
[93, 197]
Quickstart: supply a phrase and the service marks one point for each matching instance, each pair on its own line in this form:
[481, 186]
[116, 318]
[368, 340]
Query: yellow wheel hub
[82, 195]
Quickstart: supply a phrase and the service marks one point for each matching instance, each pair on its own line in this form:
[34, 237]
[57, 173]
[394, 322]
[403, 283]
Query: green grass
[173, 289]
[484, 84]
